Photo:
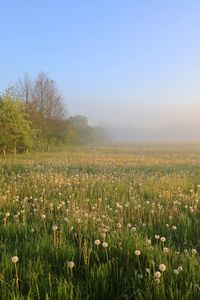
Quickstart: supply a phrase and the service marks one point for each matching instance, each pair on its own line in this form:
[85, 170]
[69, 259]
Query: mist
[162, 121]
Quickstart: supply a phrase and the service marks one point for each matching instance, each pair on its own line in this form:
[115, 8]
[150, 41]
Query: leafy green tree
[86, 133]
[15, 129]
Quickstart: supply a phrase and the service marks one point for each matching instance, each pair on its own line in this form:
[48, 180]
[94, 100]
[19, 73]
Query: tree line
[33, 116]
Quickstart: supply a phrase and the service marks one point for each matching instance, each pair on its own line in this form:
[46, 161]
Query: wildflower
[71, 264]
[180, 268]
[133, 229]
[54, 227]
[140, 276]
[162, 267]
[7, 214]
[157, 274]
[194, 251]
[163, 239]
[32, 230]
[15, 259]
[166, 250]
[157, 237]
[157, 280]
[148, 242]
[104, 245]
[43, 217]
[174, 227]
[97, 242]
[147, 270]
[176, 271]
[137, 252]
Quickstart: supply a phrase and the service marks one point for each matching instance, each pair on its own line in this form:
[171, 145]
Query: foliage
[44, 123]
[85, 133]
[15, 129]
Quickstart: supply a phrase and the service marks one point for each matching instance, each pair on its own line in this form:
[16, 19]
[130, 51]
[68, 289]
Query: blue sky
[121, 62]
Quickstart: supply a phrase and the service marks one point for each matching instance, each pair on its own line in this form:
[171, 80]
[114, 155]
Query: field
[101, 223]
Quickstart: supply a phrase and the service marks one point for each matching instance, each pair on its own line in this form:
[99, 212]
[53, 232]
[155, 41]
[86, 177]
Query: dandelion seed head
[162, 267]
[97, 242]
[137, 252]
[15, 259]
[194, 251]
[157, 274]
[104, 245]
[71, 264]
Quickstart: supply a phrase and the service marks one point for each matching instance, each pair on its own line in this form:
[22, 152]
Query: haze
[123, 64]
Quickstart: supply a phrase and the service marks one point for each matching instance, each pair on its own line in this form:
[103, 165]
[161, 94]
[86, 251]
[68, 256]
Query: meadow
[118, 222]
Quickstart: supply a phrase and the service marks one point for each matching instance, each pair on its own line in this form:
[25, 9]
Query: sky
[118, 62]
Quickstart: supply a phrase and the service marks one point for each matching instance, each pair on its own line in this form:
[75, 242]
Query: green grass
[123, 196]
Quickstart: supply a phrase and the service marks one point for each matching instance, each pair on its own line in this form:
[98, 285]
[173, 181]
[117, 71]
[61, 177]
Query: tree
[45, 106]
[24, 89]
[86, 133]
[15, 130]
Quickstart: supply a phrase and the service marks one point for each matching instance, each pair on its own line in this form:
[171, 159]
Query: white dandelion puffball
[157, 237]
[157, 280]
[162, 267]
[137, 252]
[148, 270]
[194, 251]
[157, 274]
[15, 259]
[104, 245]
[54, 227]
[176, 272]
[163, 239]
[71, 264]
[166, 250]
[180, 268]
[97, 242]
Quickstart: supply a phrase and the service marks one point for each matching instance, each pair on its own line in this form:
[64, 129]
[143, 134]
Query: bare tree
[47, 99]
[25, 89]
[44, 105]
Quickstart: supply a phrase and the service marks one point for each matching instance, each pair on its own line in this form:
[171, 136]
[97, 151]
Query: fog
[125, 121]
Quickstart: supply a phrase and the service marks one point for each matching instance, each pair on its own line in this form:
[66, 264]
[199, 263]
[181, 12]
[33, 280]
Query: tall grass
[99, 223]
